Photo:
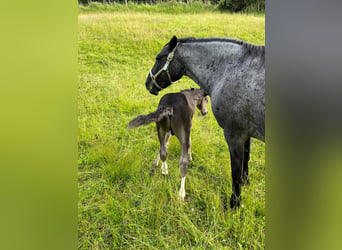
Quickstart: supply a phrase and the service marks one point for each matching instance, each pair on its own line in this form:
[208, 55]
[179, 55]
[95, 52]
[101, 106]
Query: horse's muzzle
[154, 93]
[150, 86]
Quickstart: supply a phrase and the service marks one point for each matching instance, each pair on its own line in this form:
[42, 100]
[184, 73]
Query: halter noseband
[164, 68]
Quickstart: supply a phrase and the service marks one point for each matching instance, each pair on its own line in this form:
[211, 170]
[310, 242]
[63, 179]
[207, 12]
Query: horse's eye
[159, 57]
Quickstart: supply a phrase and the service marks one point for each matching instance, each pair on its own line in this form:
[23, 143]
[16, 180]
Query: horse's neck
[204, 62]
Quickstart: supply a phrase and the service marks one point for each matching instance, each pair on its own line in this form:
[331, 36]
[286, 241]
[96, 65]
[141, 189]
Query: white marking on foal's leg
[182, 188]
[164, 168]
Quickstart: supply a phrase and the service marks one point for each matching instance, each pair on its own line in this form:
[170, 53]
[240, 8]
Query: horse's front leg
[246, 153]
[236, 149]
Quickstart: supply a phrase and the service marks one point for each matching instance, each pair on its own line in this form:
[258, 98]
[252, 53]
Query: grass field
[120, 205]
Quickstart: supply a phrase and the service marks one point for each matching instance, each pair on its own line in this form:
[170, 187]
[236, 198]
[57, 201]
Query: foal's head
[200, 98]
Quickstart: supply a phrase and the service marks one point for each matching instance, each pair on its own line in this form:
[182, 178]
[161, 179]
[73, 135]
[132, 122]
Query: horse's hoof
[234, 201]
[165, 172]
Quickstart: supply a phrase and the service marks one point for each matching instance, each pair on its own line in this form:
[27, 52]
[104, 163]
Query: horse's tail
[156, 116]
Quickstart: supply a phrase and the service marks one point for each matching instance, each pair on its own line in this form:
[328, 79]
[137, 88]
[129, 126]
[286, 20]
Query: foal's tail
[156, 116]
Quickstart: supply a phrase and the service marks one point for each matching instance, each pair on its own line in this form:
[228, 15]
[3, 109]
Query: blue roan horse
[232, 72]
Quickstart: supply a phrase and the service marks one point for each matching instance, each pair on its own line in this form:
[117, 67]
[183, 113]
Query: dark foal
[174, 117]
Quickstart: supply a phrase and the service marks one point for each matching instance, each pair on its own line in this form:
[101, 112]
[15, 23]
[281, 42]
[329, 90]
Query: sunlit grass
[120, 205]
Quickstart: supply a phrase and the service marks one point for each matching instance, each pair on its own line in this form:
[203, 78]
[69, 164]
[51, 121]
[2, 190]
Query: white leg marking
[164, 168]
[182, 188]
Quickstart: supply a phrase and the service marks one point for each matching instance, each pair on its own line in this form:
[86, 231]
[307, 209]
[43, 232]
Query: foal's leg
[236, 149]
[166, 143]
[155, 164]
[184, 141]
[189, 150]
[162, 152]
[246, 153]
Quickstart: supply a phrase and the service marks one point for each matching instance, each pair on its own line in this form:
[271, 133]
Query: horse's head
[166, 69]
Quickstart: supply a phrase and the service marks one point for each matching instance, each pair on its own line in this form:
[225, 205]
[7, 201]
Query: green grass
[163, 7]
[120, 205]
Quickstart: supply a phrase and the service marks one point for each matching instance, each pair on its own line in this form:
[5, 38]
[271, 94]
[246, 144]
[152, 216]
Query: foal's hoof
[164, 168]
[181, 194]
[153, 170]
[234, 201]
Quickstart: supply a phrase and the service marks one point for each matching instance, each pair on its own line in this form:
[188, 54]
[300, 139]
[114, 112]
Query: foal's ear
[173, 42]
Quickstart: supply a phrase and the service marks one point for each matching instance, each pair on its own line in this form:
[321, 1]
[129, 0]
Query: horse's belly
[240, 119]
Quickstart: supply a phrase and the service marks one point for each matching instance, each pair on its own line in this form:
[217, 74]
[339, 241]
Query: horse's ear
[173, 42]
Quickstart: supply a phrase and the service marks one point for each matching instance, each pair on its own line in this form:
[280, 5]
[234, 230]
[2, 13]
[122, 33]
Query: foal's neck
[192, 99]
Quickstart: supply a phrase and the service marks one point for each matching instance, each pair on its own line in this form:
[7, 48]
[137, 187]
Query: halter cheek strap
[164, 68]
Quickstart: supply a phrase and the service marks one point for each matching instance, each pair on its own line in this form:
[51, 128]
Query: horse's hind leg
[184, 141]
[236, 149]
[246, 153]
[155, 164]
[162, 152]
[166, 143]
[189, 150]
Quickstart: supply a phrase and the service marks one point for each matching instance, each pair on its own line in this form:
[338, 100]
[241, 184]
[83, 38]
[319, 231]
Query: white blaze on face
[182, 188]
[164, 168]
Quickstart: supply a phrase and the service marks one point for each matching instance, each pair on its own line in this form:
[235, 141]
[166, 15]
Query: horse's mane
[248, 46]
